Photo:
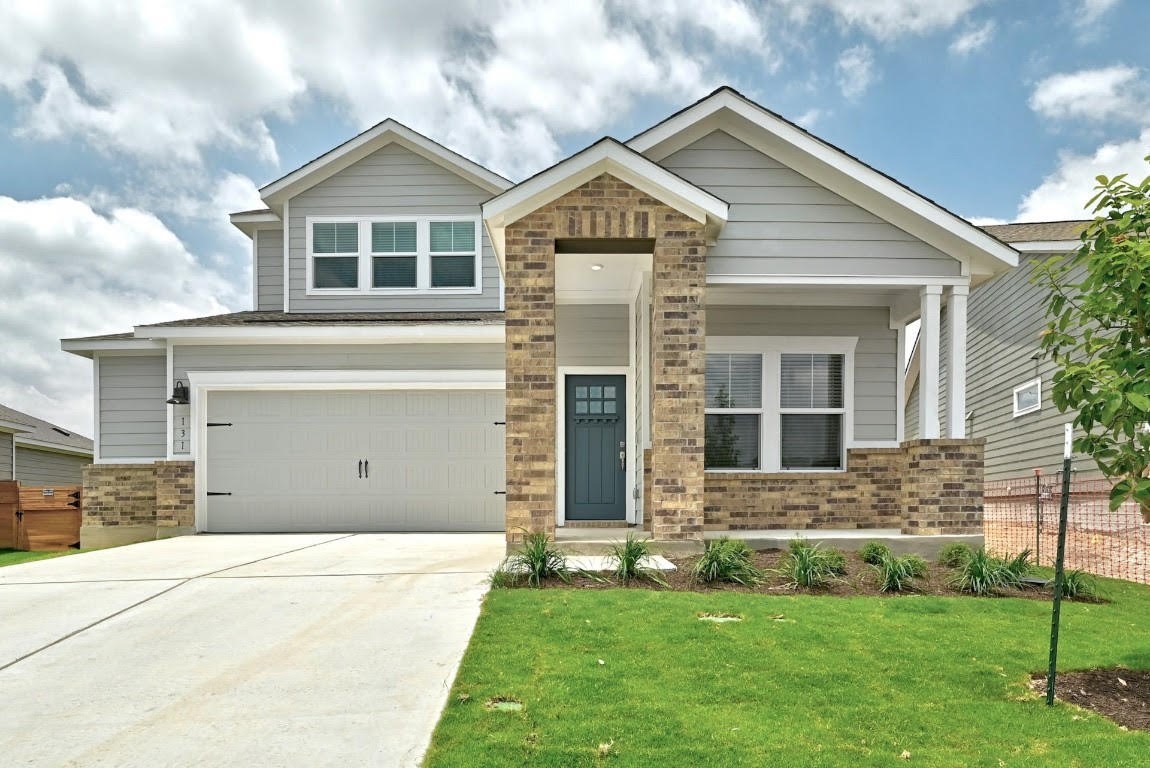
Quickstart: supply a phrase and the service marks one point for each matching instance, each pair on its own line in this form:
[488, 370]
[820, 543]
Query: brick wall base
[126, 503]
[922, 487]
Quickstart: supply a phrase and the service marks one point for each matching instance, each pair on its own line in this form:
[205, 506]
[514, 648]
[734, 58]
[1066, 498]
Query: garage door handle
[366, 468]
[361, 469]
[500, 493]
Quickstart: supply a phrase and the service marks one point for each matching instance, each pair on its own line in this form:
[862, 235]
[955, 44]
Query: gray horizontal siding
[35, 467]
[269, 275]
[781, 222]
[132, 412]
[337, 357]
[5, 455]
[876, 356]
[390, 182]
[592, 334]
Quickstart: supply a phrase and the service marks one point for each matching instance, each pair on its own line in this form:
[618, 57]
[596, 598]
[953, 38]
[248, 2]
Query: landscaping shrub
[897, 574]
[954, 555]
[983, 574]
[728, 560]
[537, 559]
[1020, 565]
[807, 565]
[503, 578]
[1077, 585]
[629, 556]
[873, 552]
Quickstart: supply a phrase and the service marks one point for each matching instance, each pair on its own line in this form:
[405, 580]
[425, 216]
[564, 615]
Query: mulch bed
[860, 580]
[1123, 695]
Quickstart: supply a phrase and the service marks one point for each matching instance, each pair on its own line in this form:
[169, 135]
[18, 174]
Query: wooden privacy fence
[39, 518]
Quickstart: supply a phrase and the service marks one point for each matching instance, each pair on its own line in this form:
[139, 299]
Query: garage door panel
[291, 461]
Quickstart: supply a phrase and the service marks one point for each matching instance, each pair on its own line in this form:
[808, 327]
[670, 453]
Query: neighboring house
[36, 452]
[433, 347]
[1008, 377]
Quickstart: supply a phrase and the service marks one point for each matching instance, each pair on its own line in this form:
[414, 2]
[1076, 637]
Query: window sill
[474, 291]
[781, 473]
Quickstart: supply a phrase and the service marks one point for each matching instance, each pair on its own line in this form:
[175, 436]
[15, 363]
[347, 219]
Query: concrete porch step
[598, 541]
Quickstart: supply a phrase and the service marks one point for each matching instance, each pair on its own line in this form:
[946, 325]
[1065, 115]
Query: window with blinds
[734, 411]
[452, 254]
[329, 241]
[812, 409]
[394, 254]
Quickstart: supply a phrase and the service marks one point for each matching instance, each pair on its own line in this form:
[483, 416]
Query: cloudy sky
[129, 129]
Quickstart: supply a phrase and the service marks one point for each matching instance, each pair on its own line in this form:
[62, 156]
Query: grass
[16, 556]
[801, 681]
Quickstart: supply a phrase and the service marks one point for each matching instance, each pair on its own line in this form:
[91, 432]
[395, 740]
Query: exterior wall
[781, 222]
[592, 334]
[876, 357]
[606, 207]
[923, 487]
[35, 467]
[390, 182]
[269, 277]
[6, 456]
[131, 410]
[126, 503]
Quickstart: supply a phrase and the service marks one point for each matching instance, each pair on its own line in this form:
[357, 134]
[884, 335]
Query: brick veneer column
[678, 353]
[942, 488]
[175, 497]
[606, 207]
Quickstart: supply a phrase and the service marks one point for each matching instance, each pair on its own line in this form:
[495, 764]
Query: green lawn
[16, 556]
[834, 682]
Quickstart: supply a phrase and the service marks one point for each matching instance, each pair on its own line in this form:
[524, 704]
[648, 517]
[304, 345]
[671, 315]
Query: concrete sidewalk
[238, 650]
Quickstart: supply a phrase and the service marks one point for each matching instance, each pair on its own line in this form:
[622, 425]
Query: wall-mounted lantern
[179, 394]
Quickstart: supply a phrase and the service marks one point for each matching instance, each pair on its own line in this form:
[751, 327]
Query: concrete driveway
[274, 650]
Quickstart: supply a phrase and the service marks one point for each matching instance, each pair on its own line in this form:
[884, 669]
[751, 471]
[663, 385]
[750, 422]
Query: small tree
[1098, 334]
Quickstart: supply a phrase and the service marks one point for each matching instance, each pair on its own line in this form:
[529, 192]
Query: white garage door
[355, 461]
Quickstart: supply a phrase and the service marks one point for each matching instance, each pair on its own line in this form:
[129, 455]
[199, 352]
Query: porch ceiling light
[596, 267]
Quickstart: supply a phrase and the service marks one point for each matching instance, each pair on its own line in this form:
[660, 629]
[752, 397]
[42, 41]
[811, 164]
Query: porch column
[529, 345]
[930, 301]
[956, 363]
[678, 372]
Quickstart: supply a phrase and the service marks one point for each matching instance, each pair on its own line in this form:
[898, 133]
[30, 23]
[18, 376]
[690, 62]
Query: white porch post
[930, 307]
[956, 365]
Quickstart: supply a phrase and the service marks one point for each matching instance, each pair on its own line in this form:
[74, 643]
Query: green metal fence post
[1059, 560]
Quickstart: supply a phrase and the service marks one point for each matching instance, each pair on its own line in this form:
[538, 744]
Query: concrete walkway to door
[272, 650]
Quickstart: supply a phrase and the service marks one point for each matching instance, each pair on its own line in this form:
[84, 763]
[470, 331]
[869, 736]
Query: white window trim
[1014, 398]
[772, 348]
[364, 254]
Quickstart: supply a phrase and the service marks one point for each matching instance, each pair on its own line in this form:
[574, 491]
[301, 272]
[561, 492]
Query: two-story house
[698, 329]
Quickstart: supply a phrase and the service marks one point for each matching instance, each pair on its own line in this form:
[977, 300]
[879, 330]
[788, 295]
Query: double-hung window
[777, 404]
[393, 255]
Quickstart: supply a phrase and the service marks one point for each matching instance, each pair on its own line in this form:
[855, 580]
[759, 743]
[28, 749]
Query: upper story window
[393, 255]
[1028, 397]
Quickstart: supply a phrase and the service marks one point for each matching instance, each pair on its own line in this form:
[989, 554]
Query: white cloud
[810, 117]
[855, 71]
[889, 19]
[973, 39]
[985, 221]
[1063, 194]
[1116, 92]
[1091, 11]
[82, 273]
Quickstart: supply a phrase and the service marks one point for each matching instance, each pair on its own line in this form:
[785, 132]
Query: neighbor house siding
[35, 467]
[5, 455]
[269, 269]
[390, 182]
[592, 334]
[131, 408]
[876, 356]
[781, 222]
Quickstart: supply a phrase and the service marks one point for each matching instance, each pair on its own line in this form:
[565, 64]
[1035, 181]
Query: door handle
[361, 469]
[622, 456]
[366, 468]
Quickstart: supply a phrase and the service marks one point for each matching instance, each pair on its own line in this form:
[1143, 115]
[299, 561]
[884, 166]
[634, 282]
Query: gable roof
[373, 139]
[730, 111]
[32, 432]
[1041, 236]
[607, 155]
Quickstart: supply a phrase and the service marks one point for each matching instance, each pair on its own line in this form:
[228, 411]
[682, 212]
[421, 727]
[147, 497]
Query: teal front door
[596, 447]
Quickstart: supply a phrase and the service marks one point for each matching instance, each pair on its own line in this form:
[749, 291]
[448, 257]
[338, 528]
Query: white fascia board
[13, 426]
[41, 445]
[85, 348]
[364, 334]
[248, 223]
[371, 140]
[842, 280]
[607, 156]
[350, 379]
[1049, 246]
[835, 170]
